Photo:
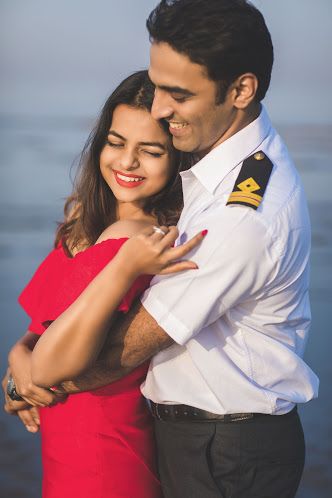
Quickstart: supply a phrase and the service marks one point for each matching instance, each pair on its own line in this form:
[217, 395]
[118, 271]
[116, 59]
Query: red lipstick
[128, 184]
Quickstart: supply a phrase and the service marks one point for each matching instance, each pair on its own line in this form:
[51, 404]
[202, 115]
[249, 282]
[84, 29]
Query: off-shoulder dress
[97, 444]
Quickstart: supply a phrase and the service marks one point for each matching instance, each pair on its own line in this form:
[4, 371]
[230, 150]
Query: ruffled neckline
[88, 249]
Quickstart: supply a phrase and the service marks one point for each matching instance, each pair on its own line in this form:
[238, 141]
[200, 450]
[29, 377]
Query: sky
[65, 57]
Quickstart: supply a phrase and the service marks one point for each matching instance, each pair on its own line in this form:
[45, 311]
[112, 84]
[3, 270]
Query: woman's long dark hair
[92, 206]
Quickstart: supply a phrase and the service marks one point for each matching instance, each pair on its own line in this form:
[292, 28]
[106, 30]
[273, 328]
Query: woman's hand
[20, 368]
[151, 252]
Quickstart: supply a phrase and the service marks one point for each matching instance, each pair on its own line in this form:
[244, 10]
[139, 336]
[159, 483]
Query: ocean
[37, 162]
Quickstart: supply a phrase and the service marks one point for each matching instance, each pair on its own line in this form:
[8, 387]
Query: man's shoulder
[251, 182]
[264, 189]
[269, 179]
[284, 189]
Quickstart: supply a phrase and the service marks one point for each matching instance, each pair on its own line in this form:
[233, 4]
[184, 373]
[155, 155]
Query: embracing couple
[185, 384]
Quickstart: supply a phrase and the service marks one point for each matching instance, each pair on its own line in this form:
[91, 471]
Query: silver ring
[158, 230]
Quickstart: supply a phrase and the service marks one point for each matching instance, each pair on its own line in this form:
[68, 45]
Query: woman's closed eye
[114, 144]
[152, 153]
[120, 145]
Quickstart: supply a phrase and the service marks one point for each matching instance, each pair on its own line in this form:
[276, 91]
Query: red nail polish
[204, 232]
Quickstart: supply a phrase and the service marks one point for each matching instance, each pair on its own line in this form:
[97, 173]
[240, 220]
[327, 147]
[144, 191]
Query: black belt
[185, 412]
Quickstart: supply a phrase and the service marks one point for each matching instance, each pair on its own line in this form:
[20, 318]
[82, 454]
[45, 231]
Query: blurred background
[59, 62]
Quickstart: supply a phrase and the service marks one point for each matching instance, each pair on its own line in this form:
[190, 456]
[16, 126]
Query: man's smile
[177, 128]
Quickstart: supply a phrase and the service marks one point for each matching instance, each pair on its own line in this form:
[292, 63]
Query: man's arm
[132, 341]
[138, 336]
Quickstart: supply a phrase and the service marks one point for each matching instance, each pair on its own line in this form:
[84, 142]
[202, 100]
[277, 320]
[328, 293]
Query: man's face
[186, 98]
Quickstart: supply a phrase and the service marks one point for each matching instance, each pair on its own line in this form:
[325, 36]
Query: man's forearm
[98, 375]
[132, 341]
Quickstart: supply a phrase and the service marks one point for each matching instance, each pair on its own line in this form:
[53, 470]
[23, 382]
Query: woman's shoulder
[123, 229]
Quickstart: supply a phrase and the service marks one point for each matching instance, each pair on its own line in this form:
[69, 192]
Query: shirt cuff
[168, 322]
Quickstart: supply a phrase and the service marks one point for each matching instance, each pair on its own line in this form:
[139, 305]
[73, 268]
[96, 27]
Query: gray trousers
[258, 458]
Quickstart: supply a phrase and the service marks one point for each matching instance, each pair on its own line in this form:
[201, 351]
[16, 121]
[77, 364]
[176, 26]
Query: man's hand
[29, 415]
[11, 407]
[30, 418]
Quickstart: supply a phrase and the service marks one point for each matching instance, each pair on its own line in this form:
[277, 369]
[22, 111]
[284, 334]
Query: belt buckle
[237, 417]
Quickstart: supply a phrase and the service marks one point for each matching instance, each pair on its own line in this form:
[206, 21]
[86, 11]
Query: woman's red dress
[97, 444]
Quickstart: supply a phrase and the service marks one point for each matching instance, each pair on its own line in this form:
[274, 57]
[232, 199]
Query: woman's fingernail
[204, 232]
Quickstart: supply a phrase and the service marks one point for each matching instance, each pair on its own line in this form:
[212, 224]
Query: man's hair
[228, 37]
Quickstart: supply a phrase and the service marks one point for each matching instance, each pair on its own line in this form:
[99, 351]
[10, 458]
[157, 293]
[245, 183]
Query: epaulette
[251, 183]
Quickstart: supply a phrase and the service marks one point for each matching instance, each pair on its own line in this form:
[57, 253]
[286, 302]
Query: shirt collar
[213, 167]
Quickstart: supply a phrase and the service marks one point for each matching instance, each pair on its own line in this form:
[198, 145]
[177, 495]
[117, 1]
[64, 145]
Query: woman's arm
[134, 338]
[73, 341]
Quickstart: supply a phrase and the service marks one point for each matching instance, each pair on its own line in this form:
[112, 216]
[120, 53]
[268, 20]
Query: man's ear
[244, 90]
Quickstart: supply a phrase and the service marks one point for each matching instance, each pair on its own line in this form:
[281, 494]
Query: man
[227, 340]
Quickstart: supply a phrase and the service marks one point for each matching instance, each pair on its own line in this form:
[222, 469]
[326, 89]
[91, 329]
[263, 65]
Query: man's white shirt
[240, 322]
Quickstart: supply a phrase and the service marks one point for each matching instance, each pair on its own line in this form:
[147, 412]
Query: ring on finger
[158, 230]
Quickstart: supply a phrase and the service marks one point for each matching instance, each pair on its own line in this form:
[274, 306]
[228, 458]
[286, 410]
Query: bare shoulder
[123, 228]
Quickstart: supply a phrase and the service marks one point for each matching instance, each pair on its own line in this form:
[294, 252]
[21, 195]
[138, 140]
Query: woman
[100, 443]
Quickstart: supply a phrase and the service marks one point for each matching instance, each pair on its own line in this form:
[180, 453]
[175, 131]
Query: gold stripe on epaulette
[244, 201]
[251, 195]
[239, 197]
[246, 194]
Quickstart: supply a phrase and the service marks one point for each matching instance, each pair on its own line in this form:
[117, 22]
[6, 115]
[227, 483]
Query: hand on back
[151, 252]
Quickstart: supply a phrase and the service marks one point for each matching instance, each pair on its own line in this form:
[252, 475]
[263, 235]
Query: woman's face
[135, 162]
